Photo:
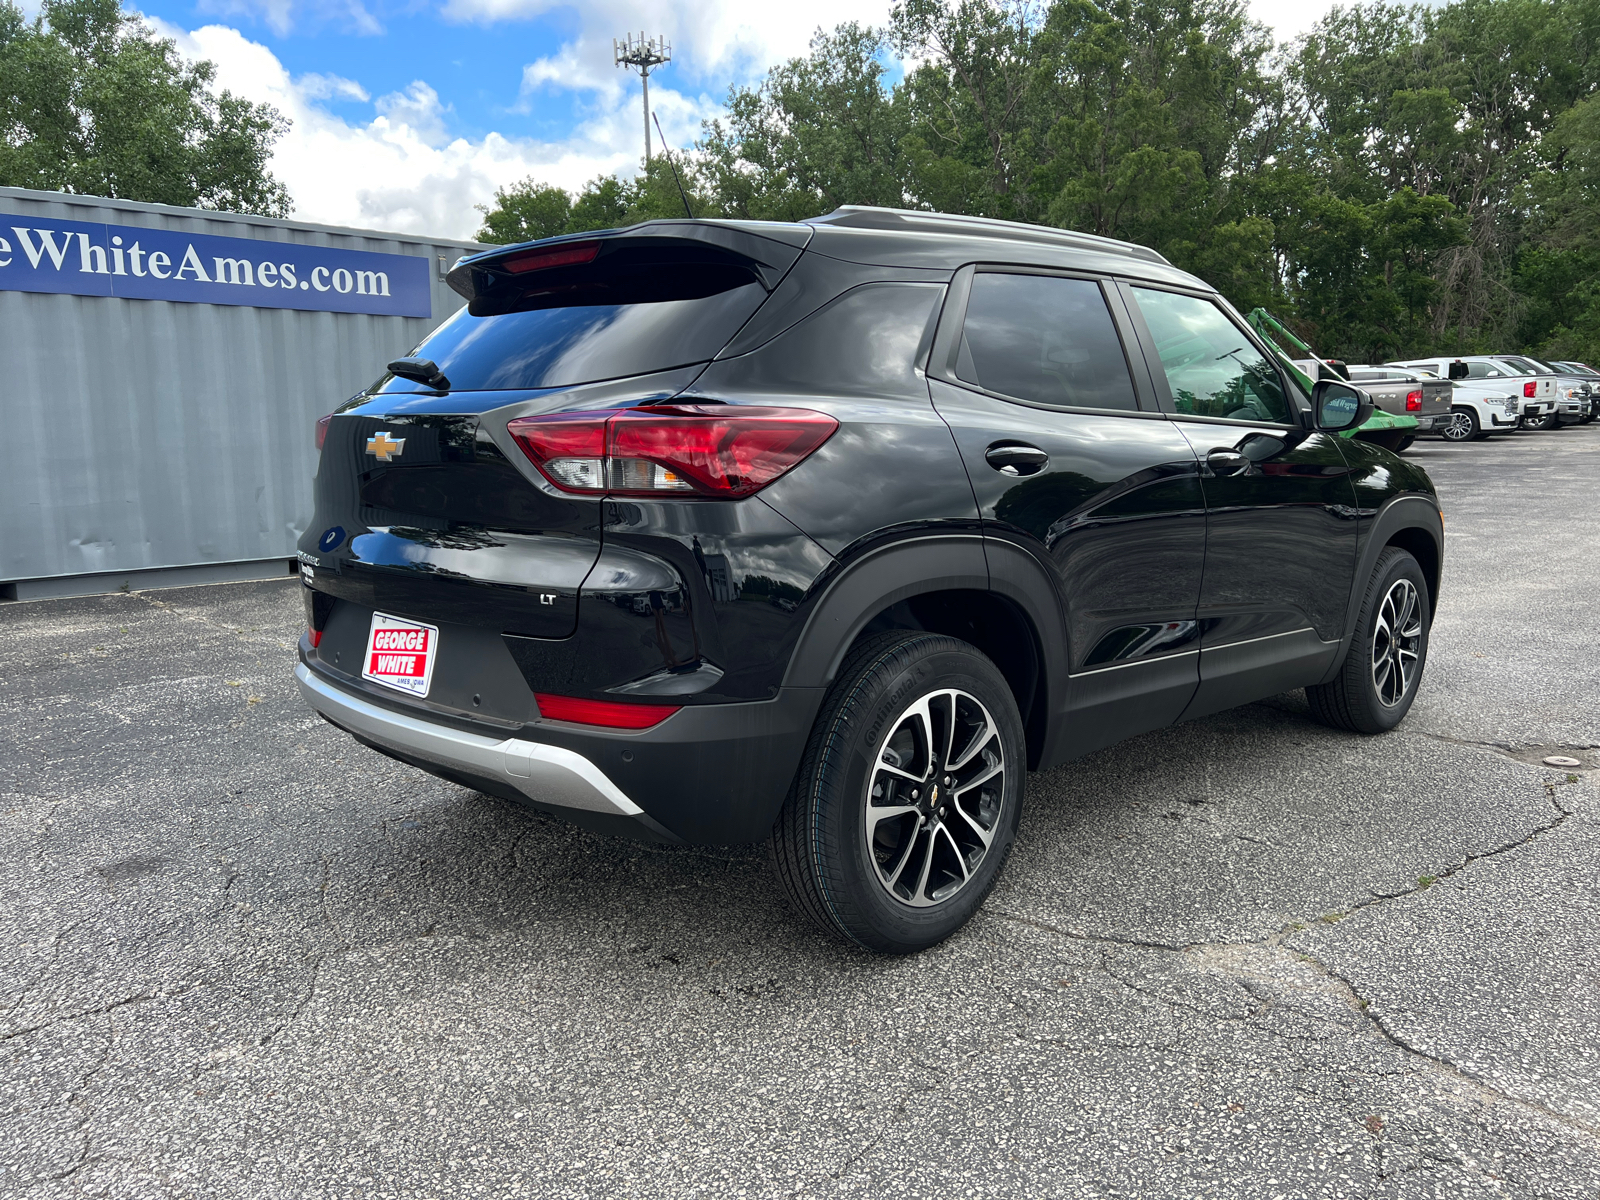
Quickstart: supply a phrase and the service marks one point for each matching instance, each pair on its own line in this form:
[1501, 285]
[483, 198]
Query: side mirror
[1339, 406]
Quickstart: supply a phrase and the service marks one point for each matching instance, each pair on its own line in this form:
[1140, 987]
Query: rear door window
[1212, 367]
[1045, 339]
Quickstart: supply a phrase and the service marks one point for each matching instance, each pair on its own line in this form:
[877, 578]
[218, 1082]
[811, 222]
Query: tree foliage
[1402, 179]
[92, 101]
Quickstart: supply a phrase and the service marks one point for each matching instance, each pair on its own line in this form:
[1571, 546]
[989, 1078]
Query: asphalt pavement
[242, 956]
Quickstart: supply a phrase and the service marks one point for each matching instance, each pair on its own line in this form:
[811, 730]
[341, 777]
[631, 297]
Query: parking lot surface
[243, 956]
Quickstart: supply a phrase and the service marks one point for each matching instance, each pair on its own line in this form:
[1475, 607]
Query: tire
[1379, 678]
[848, 868]
[1547, 420]
[1463, 426]
[1405, 444]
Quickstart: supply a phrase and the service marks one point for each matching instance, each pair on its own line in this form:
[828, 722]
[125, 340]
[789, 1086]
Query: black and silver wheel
[1542, 422]
[1378, 680]
[906, 803]
[1462, 426]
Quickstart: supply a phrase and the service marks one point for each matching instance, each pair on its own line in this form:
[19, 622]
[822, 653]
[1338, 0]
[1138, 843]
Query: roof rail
[860, 216]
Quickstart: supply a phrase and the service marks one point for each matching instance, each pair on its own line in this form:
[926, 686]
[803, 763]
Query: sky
[409, 113]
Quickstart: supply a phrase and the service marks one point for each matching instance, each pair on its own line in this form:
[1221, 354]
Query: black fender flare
[869, 584]
[935, 563]
[1409, 511]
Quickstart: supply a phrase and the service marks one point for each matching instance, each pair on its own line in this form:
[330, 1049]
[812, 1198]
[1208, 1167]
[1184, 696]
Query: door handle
[1223, 461]
[1016, 458]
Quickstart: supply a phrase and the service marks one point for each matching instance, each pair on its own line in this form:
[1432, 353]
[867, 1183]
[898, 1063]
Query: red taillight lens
[1414, 401]
[603, 712]
[322, 429]
[722, 450]
[1530, 389]
[314, 635]
[570, 255]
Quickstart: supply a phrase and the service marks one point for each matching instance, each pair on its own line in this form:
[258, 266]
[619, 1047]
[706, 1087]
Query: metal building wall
[139, 434]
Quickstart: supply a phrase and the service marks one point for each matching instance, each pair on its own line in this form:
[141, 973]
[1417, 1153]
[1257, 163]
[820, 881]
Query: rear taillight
[603, 712]
[1530, 389]
[1414, 401]
[315, 636]
[722, 450]
[322, 429]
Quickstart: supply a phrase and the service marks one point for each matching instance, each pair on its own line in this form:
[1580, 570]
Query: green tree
[530, 210]
[818, 132]
[93, 102]
[525, 212]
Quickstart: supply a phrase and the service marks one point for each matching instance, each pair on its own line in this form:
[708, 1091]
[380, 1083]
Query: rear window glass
[1046, 339]
[669, 317]
[1522, 364]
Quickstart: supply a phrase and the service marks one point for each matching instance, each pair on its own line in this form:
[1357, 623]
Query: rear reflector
[570, 255]
[1414, 401]
[603, 712]
[315, 636]
[722, 450]
[1530, 389]
[322, 429]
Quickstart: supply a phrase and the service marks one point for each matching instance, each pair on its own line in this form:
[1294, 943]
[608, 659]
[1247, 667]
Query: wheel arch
[999, 601]
[1413, 523]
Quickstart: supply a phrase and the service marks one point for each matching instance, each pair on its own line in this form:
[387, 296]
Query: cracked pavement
[243, 956]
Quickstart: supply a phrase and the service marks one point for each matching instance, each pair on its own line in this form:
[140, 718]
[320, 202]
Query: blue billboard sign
[136, 262]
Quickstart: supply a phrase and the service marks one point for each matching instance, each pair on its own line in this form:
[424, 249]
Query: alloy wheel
[1396, 643]
[934, 797]
[1458, 428]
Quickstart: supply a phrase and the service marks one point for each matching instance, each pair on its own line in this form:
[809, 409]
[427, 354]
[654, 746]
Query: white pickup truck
[1481, 375]
[1572, 390]
[1472, 409]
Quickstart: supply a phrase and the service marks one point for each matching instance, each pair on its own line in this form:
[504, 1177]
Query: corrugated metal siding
[153, 433]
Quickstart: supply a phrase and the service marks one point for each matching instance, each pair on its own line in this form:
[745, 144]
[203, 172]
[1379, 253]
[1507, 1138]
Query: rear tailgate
[1437, 395]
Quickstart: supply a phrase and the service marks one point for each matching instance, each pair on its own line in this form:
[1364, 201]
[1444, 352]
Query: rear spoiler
[768, 255]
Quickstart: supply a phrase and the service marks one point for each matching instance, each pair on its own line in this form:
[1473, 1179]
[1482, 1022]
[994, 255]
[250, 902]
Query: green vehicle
[1389, 430]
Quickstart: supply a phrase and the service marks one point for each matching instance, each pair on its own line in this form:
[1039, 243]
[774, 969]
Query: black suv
[718, 531]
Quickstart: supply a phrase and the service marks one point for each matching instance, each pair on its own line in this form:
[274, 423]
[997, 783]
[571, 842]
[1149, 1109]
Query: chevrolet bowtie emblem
[383, 447]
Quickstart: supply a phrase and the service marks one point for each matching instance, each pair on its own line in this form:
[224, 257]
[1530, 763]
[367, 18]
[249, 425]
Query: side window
[1046, 339]
[1213, 368]
[1478, 370]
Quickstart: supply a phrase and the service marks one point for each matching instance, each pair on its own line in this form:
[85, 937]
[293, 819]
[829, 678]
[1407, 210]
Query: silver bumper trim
[548, 774]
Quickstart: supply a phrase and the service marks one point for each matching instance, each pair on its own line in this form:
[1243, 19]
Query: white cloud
[330, 87]
[712, 40]
[400, 170]
[280, 15]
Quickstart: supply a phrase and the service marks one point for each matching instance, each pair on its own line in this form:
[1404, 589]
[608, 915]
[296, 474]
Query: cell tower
[643, 55]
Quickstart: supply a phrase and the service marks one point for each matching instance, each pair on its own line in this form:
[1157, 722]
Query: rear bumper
[713, 774]
[545, 774]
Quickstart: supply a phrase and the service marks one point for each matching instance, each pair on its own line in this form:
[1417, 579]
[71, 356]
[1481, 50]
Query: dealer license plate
[400, 654]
